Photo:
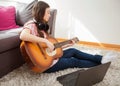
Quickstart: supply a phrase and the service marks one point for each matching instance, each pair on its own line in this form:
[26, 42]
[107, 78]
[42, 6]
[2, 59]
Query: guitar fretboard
[60, 44]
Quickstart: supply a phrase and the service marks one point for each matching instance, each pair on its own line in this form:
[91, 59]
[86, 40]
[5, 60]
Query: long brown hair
[38, 13]
[38, 10]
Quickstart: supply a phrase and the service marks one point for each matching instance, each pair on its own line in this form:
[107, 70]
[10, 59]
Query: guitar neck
[60, 44]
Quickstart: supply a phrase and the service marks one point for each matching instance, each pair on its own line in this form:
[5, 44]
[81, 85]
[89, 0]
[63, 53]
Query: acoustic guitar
[39, 57]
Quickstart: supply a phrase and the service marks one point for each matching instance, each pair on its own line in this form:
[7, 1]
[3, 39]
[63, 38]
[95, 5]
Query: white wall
[89, 20]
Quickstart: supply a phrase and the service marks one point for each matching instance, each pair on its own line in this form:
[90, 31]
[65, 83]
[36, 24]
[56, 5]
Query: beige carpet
[24, 77]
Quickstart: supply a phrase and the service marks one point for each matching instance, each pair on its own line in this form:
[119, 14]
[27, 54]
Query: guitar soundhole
[50, 53]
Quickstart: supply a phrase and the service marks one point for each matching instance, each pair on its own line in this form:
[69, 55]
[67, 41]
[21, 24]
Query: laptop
[86, 77]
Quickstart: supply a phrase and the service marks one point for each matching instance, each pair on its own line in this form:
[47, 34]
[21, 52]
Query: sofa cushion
[8, 41]
[25, 13]
[23, 10]
[7, 18]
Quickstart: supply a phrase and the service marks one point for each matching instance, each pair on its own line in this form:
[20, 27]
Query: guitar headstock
[75, 39]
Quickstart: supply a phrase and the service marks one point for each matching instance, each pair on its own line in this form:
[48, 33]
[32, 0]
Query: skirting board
[95, 44]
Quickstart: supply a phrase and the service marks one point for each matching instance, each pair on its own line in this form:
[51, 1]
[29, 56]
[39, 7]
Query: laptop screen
[87, 77]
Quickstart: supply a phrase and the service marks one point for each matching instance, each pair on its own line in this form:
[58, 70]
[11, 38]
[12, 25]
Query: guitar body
[38, 56]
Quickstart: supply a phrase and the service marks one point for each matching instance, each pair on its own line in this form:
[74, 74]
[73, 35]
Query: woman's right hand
[50, 45]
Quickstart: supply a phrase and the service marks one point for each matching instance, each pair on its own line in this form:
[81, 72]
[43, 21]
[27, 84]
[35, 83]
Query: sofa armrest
[52, 21]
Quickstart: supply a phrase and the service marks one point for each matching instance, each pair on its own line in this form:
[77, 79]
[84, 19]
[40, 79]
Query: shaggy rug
[24, 77]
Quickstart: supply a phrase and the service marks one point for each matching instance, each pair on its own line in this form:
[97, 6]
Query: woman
[35, 31]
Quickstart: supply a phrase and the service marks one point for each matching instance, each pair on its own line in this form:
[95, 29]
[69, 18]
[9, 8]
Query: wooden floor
[95, 44]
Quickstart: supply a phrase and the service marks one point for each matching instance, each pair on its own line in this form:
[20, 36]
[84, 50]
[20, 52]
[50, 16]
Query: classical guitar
[39, 57]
